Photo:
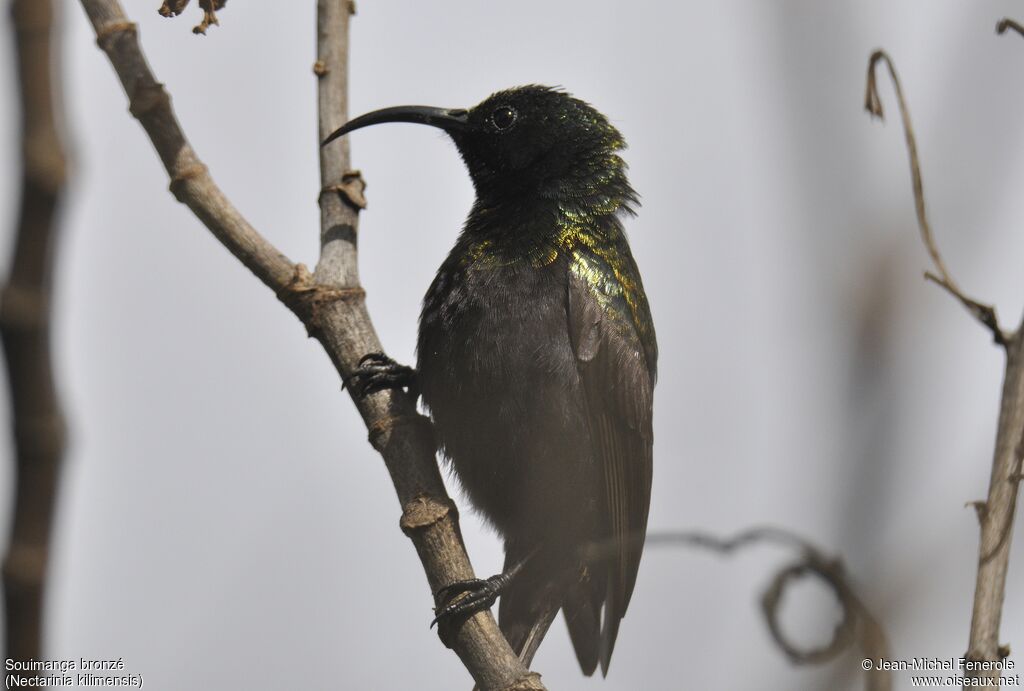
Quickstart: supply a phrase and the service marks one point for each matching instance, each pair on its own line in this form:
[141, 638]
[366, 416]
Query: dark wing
[613, 339]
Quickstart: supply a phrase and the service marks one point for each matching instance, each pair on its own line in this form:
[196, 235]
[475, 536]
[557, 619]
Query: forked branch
[330, 304]
[986, 314]
[996, 513]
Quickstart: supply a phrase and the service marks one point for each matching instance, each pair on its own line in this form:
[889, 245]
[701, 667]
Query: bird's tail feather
[524, 629]
[610, 631]
[528, 606]
[527, 647]
[582, 607]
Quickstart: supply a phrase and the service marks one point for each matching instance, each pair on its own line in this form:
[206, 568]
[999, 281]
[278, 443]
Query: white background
[223, 522]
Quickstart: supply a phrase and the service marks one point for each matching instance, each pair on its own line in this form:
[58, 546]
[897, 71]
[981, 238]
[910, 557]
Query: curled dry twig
[996, 513]
[986, 314]
[857, 625]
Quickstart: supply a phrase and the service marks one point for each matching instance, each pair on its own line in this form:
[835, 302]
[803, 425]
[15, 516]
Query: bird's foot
[376, 372]
[477, 594]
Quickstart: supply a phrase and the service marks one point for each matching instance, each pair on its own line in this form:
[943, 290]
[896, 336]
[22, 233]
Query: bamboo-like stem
[25, 314]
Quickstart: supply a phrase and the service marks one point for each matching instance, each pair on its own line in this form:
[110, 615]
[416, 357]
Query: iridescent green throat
[577, 220]
[577, 210]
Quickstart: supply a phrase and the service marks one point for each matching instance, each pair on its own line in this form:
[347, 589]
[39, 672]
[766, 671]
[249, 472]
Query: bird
[536, 360]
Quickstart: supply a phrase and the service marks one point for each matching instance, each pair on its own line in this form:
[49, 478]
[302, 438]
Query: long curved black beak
[445, 118]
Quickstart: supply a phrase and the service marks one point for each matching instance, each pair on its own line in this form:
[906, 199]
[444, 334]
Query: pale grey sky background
[223, 522]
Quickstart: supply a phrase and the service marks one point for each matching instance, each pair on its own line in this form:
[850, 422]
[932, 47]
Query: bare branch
[330, 303]
[996, 513]
[857, 623]
[397, 430]
[985, 314]
[25, 315]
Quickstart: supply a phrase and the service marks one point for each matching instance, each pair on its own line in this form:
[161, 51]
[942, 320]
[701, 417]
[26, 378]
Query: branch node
[425, 511]
[147, 96]
[181, 178]
[45, 164]
[352, 7]
[23, 309]
[986, 314]
[319, 68]
[25, 564]
[527, 682]
[980, 509]
[306, 298]
[352, 189]
[380, 429]
[107, 32]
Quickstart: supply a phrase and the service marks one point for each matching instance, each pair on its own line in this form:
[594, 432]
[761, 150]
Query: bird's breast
[497, 371]
[493, 322]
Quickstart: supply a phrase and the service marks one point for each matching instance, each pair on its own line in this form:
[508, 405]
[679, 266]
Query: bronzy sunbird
[536, 359]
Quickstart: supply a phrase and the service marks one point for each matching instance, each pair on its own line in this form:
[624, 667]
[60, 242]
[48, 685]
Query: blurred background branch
[25, 327]
[857, 625]
[996, 513]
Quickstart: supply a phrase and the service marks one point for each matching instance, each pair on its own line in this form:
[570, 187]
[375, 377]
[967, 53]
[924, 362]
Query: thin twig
[996, 513]
[25, 315]
[985, 314]
[330, 304]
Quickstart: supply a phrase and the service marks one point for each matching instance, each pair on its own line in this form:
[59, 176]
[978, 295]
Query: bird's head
[532, 140]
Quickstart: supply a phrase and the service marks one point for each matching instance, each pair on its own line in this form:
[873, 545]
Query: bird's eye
[503, 117]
